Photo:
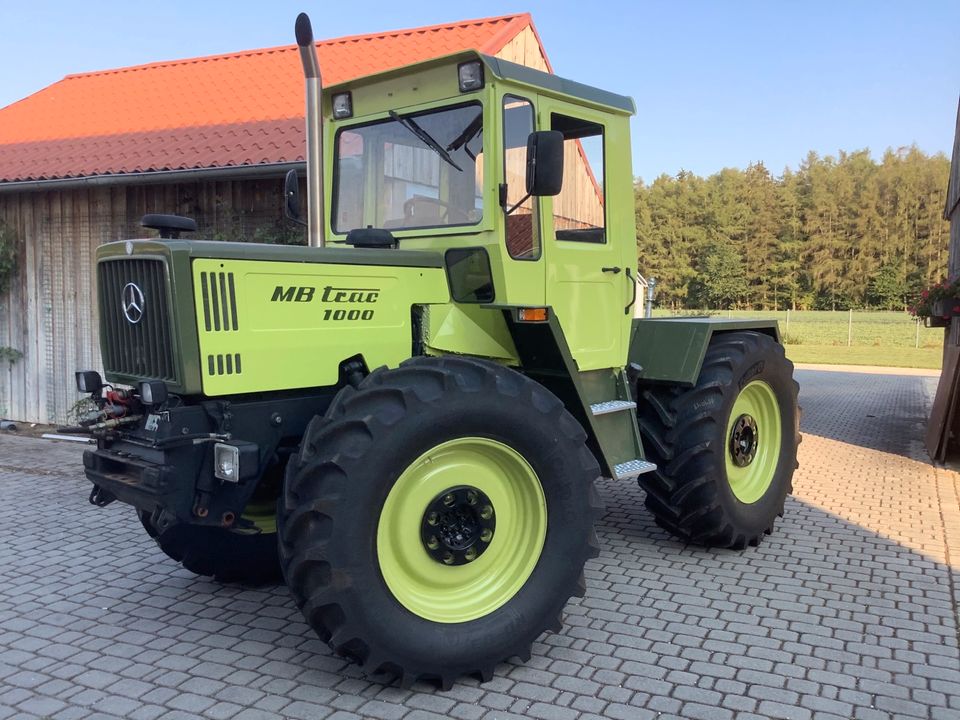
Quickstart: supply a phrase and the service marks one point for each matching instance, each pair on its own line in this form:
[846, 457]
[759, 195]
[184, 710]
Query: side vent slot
[218, 293]
[228, 364]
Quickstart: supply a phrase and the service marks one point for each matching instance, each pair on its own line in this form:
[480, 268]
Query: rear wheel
[438, 519]
[726, 448]
[247, 556]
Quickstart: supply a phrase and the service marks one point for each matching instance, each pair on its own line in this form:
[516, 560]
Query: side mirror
[291, 197]
[544, 163]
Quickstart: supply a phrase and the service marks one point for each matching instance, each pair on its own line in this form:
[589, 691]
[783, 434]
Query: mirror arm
[519, 203]
[294, 219]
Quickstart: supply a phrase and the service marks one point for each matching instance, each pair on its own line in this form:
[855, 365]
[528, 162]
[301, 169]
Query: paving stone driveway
[847, 611]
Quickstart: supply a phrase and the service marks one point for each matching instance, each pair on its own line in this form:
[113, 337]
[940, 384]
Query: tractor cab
[520, 178]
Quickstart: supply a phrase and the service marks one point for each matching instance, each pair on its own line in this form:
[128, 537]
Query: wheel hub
[743, 440]
[458, 525]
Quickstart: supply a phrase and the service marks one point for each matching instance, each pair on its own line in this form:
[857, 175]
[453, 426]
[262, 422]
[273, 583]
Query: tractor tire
[438, 518]
[230, 556]
[726, 448]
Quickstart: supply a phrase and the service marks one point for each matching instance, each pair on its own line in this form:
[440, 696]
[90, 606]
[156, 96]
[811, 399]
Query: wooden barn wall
[50, 314]
[953, 334]
[952, 211]
[525, 49]
[953, 215]
[584, 206]
[954, 218]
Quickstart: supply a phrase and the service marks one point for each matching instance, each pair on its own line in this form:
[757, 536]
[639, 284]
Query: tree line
[839, 232]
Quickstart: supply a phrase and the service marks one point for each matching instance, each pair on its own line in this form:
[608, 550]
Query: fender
[671, 350]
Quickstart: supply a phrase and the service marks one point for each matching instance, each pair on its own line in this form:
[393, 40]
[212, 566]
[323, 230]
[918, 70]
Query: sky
[717, 84]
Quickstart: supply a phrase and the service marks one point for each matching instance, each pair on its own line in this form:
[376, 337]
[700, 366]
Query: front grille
[143, 348]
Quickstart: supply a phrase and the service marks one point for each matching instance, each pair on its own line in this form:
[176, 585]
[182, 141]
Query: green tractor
[404, 420]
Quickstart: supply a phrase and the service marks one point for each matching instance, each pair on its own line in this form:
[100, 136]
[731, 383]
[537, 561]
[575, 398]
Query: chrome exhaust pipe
[314, 87]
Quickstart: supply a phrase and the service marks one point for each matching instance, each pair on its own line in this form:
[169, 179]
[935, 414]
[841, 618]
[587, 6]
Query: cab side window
[523, 233]
[578, 211]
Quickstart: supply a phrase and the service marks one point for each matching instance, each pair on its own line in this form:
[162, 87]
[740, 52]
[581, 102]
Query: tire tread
[682, 493]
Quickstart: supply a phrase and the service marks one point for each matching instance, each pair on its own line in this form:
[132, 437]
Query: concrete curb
[870, 369]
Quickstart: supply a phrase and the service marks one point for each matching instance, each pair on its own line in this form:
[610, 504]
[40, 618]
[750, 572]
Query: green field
[876, 338]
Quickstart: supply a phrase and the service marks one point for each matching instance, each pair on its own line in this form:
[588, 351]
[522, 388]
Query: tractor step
[632, 468]
[609, 406]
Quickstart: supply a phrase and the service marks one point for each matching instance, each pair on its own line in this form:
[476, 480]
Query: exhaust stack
[314, 86]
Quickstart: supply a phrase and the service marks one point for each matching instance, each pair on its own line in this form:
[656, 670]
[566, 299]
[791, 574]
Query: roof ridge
[287, 48]
[423, 28]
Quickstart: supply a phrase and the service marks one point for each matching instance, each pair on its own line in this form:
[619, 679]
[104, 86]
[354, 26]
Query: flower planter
[941, 311]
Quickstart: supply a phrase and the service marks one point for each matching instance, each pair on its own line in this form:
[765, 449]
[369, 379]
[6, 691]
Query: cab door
[523, 263]
[587, 286]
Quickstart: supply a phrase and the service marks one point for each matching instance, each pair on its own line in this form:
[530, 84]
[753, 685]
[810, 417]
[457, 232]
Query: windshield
[411, 171]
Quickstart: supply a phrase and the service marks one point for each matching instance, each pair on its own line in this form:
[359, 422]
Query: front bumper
[167, 471]
[146, 485]
[175, 484]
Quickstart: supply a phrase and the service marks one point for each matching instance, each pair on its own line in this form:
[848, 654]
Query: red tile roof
[217, 111]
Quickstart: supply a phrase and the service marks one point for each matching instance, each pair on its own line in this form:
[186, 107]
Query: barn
[952, 213]
[81, 161]
[943, 431]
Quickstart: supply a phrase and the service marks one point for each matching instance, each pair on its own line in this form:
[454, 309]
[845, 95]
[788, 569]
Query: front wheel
[247, 556]
[438, 519]
[726, 448]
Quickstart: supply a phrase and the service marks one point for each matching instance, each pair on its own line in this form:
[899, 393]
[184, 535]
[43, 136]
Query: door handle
[613, 269]
[633, 300]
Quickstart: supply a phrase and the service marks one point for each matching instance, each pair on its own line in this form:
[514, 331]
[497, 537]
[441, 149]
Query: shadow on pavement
[882, 412]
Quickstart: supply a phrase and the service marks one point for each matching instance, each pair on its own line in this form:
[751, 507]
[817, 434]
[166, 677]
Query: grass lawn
[877, 338]
[924, 357]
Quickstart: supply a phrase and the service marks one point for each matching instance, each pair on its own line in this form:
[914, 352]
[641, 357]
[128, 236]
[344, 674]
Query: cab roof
[509, 71]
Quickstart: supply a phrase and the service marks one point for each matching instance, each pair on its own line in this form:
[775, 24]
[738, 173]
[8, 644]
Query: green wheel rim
[452, 594]
[758, 402]
[263, 515]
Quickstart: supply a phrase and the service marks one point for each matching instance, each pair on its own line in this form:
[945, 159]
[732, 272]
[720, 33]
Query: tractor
[404, 419]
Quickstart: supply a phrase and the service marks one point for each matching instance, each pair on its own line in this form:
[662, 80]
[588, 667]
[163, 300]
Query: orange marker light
[533, 314]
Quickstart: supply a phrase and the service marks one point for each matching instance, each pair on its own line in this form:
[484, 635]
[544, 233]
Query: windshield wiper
[425, 137]
[468, 134]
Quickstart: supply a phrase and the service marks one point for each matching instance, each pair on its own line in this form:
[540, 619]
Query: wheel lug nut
[470, 555]
[432, 519]
[472, 497]
[433, 543]
[487, 512]
[486, 535]
[448, 558]
[448, 500]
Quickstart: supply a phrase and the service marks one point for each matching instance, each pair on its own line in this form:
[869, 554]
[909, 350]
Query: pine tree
[840, 232]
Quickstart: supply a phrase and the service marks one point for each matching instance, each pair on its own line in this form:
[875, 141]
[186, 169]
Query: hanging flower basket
[937, 318]
[938, 304]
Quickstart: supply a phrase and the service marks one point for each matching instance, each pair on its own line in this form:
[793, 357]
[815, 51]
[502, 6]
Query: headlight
[470, 75]
[342, 105]
[153, 392]
[88, 381]
[226, 462]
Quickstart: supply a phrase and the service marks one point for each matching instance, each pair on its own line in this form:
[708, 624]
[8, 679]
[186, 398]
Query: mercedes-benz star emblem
[131, 300]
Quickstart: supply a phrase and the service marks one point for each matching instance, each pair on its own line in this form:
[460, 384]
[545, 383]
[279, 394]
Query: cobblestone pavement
[847, 611]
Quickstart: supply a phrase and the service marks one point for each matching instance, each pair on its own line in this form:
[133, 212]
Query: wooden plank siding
[945, 445]
[525, 49]
[953, 188]
[952, 213]
[953, 333]
[50, 312]
[583, 208]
